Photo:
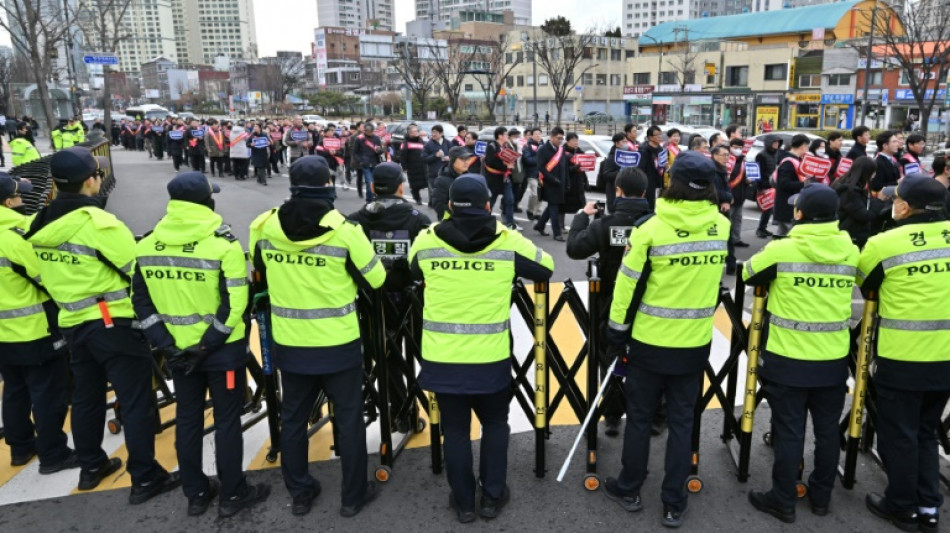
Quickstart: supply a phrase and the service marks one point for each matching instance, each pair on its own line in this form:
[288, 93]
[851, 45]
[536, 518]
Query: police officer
[804, 365]
[56, 135]
[468, 263]
[312, 259]
[85, 257]
[22, 150]
[190, 292]
[32, 352]
[907, 266]
[392, 224]
[73, 133]
[668, 290]
[607, 236]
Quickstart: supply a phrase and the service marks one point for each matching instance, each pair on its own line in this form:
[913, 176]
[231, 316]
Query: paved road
[415, 498]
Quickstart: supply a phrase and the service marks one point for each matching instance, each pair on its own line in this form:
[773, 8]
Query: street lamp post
[659, 61]
[526, 38]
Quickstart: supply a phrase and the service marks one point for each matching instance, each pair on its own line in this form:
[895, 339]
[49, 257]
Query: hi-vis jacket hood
[689, 216]
[272, 229]
[11, 219]
[186, 222]
[64, 227]
[831, 251]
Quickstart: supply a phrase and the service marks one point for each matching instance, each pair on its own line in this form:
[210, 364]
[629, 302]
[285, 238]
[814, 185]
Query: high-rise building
[150, 27]
[445, 10]
[356, 14]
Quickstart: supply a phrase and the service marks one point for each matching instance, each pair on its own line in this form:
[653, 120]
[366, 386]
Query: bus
[149, 111]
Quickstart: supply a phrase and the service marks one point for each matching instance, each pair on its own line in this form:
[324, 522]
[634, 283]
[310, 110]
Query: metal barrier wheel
[420, 425]
[115, 427]
[767, 438]
[383, 473]
[592, 482]
[694, 484]
[801, 490]
[271, 457]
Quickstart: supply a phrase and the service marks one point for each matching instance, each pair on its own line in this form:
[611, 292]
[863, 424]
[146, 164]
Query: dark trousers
[610, 189]
[368, 180]
[197, 161]
[158, 147]
[345, 391]
[551, 212]
[120, 356]
[643, 389]
[218, 163]
[190, 394]
[40, 390]
[520, 189]
[240, 168]
[261, 174]
[274, 160]
[907, 425]
[492, 412]
[790, 409]
[764, 220]
[177, 161]
[227, 164]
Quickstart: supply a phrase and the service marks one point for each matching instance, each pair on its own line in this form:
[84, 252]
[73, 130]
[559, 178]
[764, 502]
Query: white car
[596, 144]
[315, 119]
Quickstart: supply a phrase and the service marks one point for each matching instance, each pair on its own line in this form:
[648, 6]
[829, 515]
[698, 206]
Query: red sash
[238, 139]
[631, 146]
[218, 139]
[414, 146]
[459, 140]
[738, 179]
[556, 159]
[673, 149]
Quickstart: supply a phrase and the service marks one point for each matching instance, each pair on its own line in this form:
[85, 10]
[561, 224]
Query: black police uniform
[391, 224]
[607, 236]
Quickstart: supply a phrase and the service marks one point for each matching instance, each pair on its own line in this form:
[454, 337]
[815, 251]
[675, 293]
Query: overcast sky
[289, 24]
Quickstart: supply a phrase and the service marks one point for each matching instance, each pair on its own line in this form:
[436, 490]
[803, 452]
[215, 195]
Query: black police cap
[469, 190]
[816, 202]
[10, 186]
[75, 165]
[921, 191]
[310, 171]
[386, 178]
[191, 186]
[694, 169]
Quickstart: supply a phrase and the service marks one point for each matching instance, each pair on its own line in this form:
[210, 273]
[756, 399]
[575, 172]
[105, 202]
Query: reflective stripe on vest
[22, 312]
[76, 249]
[671, 312]
[617, 326]
[180, 262]
[915, 325]
[813, 268]
[913, 257]
[687, 247]
[629, 272]
[320, 249]
[366, 269]
[465, 329]
[442, 253]
[235, 282]
[185, 320]
[306, 314]
[93, 300]
[748, 268]
[820, 327]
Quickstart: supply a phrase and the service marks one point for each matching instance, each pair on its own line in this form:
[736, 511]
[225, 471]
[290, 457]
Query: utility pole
[867, 66]
[70, 66]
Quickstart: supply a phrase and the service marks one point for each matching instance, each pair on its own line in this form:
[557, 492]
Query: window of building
[641, 78]
[469, 87]
[542, 79]
[776, 72]
[809, 80]
[616, 55]
[587, 79]
[601, 79]
[520, 81]
[588, 52]
[668, 78]
[839, 79]
[601, 54]
[877, 77]
[737, 76]
[614, 80]
[509, 82]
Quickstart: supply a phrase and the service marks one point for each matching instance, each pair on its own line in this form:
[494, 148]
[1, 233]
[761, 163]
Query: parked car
[315, 119]
[425, 127]
[488, 134]
[596, 144]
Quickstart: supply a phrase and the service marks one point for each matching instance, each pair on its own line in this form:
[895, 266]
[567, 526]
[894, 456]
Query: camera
[600, 206]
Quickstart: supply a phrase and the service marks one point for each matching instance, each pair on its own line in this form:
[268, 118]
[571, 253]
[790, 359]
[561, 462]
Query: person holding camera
[189, 291]
[608, 236]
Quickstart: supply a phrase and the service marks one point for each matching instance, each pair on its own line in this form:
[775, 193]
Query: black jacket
[413, 163]
[576, 184]
[552, 181]
[738, 190]
[607, 174]
[368, 157]
[856, 151]
[606, 236]
[835, 157]
[529, 157]
[494, 169]
[787, 185]
[767, 161]
[440, 194]
[888, 172]
[855, 213]
[392, 224]
[648, 155]
[433, 162]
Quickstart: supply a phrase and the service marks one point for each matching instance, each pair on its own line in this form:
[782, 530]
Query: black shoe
[253, 494]
[558, 238]
[20, 460]
[929, 523]
[741, 244]
[90, 479]
[612, 426]
[631, 504]
[304, 502]
[763, 234]
[673, 518]
[198, 505]
[531, 216]
[817, 510]
[906, 521]
[540, 229]
[162, 483]
[762, 502]
[489, 508]
[71, 461]
[518, 210]
[730, 270]
[372, 491]
[464, 516]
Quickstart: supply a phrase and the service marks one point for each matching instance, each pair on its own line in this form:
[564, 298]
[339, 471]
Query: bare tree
[36, 28]
[498, 71]
[103, 29]
[6, 84]
[419, 74]
[921, 50]
[560, 54]
[451, 65]
[683, 61]
[287, 74]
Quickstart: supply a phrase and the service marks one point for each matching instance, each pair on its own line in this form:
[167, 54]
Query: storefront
[638, 102]
[768, 112]
[735, 109]
[905, 113]
[837, 111]
[686, 108]
[805, 111]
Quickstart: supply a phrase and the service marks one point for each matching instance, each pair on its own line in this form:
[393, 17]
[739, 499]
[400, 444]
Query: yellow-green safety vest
[684, 245]
[465, 319]
[57, 137]
[809, 301]
[23, 151]
[312, 296]
[72, 251]
[915, 318]
[22, 317]
[184, 263]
